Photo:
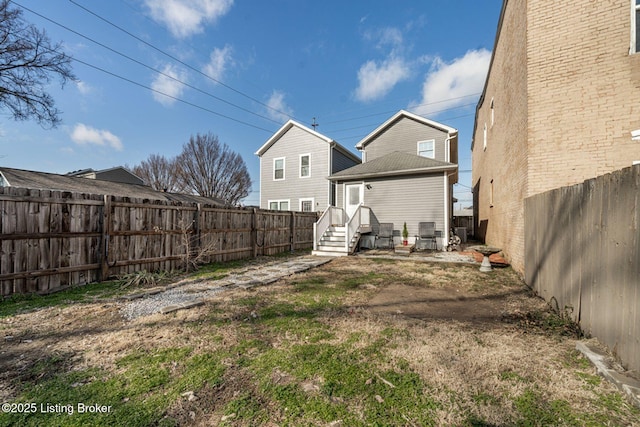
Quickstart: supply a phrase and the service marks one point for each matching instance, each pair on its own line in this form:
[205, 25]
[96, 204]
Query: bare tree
[211, 169]
[159, 173]
[28, 61]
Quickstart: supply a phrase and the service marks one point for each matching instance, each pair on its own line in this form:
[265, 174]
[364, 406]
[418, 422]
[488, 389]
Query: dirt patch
[441, 303]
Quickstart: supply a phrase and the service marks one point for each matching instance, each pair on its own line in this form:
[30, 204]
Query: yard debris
[385, 381]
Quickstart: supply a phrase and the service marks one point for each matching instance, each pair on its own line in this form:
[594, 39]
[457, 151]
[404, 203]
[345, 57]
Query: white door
[354, 195]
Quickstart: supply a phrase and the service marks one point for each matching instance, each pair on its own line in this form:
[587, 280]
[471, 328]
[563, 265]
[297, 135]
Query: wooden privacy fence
[582, 252]
[51, 240]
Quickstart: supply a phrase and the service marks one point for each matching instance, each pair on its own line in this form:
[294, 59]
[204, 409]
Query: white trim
[307, 199]
[279, 201]
[403, 113]
[260, 184]
[433, 148]
[284, 164]
[445, 234]
[300, 165]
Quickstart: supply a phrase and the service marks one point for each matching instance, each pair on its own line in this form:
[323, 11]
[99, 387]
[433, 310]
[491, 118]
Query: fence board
[50, 240]
[583, 251]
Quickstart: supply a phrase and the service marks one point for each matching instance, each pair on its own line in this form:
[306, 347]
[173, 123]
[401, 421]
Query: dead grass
[325, 347]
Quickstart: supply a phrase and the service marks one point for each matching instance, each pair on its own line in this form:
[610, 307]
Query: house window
[635, 26]
[484, 144]
[278, 169]
[491, 194]
[305, 165]
[279, 205]
[306, 205]
[427, 148]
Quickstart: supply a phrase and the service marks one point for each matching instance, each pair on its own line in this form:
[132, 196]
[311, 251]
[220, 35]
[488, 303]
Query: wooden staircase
[333, 242]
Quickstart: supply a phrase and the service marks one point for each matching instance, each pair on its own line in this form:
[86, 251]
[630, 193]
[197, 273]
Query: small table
[487, 251]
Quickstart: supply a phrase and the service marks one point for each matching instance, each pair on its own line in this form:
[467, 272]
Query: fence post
[292, 231]
[104, 239]
[254, 232]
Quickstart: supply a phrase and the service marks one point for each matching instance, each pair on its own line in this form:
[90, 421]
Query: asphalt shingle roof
[396, 163]
[49, 181]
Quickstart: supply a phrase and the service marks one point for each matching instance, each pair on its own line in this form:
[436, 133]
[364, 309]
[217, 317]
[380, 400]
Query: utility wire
[178, 60]
[146, 66]
[95, 67]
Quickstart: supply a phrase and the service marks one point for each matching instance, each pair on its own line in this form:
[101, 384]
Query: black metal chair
[426, 236]
[385, 235]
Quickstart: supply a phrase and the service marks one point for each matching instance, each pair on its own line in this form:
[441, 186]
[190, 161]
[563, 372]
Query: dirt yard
[354, 342]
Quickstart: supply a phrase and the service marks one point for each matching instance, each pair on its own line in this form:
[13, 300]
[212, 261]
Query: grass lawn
[356, 342]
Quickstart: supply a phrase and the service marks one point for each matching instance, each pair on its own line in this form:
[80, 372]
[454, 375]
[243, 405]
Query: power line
[95, 67]
[178, 60]
[146, 65]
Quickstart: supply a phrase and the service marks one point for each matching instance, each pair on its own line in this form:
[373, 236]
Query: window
[306, 205]
[305, 165]
[278, 169]
[427, 148]
[484, 145]
[634, 45]
[279, 205]
[491, 194]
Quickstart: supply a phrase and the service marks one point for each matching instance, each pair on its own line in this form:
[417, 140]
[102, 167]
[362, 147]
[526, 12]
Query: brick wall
[566, 96]
[584, 96]
[504, 161]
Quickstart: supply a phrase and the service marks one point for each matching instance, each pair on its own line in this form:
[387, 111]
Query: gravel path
[187, 294]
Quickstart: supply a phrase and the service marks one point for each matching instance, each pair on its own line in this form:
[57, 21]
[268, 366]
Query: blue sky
[241, 69]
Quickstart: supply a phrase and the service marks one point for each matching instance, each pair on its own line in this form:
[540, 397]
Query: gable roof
[50, 181]
[393, 164]
[291, 123]
[400, 115]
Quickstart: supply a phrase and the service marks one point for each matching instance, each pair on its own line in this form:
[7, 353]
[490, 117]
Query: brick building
[560, 103]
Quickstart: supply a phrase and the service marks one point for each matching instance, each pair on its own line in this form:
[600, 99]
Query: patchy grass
[307, 350]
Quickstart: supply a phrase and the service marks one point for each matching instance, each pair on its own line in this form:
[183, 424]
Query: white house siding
[291, 145]
[410, 199]
[404, 135]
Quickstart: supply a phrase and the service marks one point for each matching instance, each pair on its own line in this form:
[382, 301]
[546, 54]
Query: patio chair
[426, 236]
[385, 235]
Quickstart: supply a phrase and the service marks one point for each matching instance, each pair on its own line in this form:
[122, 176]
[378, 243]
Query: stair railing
[331, 216]
[360, 218]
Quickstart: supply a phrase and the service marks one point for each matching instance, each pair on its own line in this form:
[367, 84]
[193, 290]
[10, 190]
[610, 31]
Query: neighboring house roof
[291, 123]
[399, 115]
[393, 164]
[115, 174]
[49, 181]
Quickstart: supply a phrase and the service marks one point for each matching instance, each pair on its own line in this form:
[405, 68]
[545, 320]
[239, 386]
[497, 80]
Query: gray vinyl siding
[291, 145]
[412, 199]
[341, 161]
[403, 136]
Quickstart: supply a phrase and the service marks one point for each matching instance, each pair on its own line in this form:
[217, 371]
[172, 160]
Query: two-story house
[294, 165]
[407, 175]
[559, 106]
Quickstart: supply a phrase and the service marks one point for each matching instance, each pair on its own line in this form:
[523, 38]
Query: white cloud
[86, 135]
[279, 110]
[390, 37]
[218, 62]
[84, 88]
[448, 85]
[376, 80]
[169, 86]
[187, 17]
